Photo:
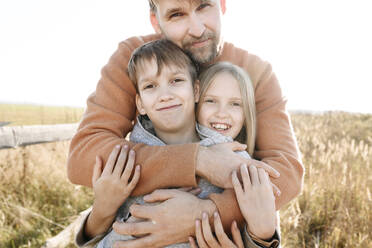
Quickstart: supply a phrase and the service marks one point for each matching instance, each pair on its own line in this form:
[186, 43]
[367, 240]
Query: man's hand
[217, 162]
[169, 222]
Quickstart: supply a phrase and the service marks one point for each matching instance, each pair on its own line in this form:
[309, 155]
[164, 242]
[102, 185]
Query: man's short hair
[164, 53]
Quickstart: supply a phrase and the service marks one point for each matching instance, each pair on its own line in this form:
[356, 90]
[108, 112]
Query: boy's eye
[175, 15]
[148, 86]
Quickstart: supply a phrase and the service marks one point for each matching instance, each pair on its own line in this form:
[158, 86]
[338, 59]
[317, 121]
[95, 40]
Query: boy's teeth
[220, 126]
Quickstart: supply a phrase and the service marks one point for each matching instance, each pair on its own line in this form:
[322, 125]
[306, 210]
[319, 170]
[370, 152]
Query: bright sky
[51, 52]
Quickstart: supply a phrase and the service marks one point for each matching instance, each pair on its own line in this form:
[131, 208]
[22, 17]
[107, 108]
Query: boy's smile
[166, 97]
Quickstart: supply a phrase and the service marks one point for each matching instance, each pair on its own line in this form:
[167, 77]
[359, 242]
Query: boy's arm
[109, 118]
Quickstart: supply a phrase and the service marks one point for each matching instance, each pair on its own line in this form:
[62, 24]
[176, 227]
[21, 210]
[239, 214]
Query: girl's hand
[206, 239]
[112, 186]
[256, 200]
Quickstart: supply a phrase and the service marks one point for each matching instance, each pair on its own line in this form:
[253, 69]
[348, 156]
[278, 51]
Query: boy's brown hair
[165, 53]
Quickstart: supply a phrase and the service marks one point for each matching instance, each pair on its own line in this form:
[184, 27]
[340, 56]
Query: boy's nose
[196, 26]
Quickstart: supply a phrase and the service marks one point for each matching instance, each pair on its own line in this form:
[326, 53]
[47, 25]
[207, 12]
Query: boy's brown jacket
[111, 112]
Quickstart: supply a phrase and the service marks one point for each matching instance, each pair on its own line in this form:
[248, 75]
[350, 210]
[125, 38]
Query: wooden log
[65, 237]
[27, 135]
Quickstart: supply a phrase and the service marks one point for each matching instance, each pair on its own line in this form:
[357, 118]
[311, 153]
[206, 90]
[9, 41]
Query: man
[195, 26]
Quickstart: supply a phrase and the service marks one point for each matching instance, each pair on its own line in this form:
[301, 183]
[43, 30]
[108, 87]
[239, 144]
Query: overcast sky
[51, 52]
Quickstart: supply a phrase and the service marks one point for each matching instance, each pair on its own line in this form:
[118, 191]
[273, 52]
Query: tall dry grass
[334, 209]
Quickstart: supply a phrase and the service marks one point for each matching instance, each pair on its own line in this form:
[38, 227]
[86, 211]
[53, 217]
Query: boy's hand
[112, 186]
[256, 200]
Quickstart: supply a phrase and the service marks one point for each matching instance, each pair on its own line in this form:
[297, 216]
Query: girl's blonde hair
[248, 133]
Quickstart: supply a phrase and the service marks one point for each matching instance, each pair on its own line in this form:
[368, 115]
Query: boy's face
[168, 98]
[194, 25]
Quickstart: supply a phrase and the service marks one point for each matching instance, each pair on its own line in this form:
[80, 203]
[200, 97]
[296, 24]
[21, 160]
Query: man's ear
[223, 6]
[197, 91]
[140, 108]
[154, 22]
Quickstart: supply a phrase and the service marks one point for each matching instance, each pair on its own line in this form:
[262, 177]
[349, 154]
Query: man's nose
[196, 26]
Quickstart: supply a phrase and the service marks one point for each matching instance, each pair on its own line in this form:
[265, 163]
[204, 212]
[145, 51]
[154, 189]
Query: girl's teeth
[220, 126]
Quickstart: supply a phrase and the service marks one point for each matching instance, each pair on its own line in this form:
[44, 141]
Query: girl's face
[221, 106]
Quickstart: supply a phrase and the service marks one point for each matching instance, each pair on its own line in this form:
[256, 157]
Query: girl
[227, 106]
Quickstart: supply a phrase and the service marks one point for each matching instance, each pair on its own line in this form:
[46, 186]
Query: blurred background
[51, 52]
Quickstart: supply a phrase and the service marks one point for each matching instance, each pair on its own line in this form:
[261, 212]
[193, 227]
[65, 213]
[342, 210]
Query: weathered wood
[66, 236]
[2, 123]
[27, 135]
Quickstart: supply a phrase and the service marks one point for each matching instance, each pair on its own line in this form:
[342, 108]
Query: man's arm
[109, 118]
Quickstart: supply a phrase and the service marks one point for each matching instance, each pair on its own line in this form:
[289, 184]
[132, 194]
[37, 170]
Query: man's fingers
[128, 167]
[120, 163]
[111, 161]
[192, 242]
[160, 195]
[237, 237]
[142, 211]
[137, 228]
[195, 191]
[253, 175]
[276, 190]
[207, 232]
[272, 172]
[247, 183]
[220, 233]
[146, 241]
[237, 186]
[199, 235]
[236, 146]
[97, 171]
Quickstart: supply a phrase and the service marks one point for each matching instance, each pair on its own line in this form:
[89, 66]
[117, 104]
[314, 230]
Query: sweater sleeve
[109, 117]
[275, 142]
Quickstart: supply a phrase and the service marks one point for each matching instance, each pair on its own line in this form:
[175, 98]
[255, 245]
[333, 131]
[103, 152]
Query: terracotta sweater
[110, 116]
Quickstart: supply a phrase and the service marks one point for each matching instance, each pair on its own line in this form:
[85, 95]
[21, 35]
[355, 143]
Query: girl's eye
[236, 104]
[209, 100]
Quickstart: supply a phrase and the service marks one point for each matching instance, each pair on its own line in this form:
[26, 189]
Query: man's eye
[202, 6]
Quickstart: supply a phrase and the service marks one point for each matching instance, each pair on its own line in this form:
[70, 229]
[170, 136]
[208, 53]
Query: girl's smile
[221, 106]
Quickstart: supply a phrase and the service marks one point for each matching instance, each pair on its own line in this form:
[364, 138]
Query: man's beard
[203, 55]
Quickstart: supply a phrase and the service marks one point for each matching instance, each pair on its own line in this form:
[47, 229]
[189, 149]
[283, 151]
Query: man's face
[194, 25]
[167, 98]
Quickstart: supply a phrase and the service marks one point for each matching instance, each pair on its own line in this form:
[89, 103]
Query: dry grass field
[334, 209]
